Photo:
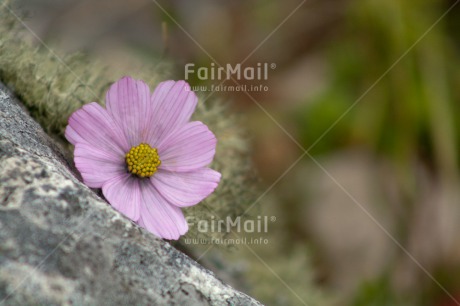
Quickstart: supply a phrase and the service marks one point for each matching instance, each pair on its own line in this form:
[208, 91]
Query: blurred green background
[370, 88]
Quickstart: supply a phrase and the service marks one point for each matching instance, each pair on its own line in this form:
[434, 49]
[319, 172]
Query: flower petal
[186, 188]
[188, 148]
[173, 105]
[128, 102]
[72, 136]
[124, 193]
[92, 125]
[159, 216]
[97, 166]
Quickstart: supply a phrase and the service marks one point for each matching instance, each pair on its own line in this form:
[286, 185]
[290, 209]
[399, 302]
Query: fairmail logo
[236, 72]
[260, 224]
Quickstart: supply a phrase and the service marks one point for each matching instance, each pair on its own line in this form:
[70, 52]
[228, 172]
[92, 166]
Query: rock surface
[61, 244]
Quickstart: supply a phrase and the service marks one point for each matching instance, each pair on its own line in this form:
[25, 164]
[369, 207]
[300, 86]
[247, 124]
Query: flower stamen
[143, 160]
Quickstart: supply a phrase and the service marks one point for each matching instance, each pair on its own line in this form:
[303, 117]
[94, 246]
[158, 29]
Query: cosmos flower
[145, 153]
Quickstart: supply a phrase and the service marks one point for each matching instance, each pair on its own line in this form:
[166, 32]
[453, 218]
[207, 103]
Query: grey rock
[61, 244]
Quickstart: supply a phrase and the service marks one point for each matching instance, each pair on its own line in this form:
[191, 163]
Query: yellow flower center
[143, 160]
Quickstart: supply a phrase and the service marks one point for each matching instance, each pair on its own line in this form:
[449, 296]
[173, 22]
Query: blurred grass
[409, 117]
[378, 293]
[411, 110]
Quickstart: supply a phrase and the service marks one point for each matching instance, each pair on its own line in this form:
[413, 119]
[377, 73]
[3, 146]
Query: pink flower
[144, 153]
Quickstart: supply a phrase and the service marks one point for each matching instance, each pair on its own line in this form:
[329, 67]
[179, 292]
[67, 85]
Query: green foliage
[396, 75]
[410, 112]
[378, 293]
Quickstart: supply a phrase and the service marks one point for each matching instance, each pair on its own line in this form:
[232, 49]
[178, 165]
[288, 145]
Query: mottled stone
[61, 244]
